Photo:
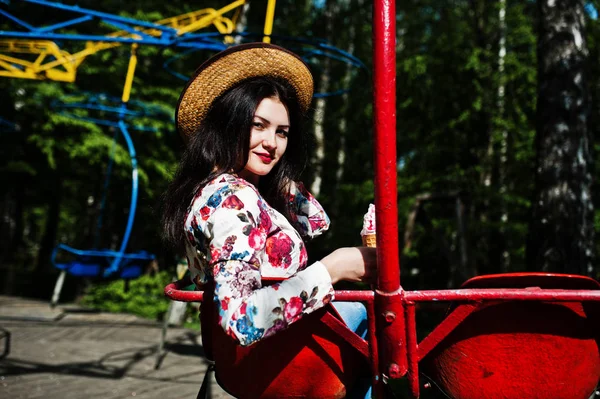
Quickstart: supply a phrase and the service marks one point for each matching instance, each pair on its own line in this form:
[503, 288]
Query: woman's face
[268, 138]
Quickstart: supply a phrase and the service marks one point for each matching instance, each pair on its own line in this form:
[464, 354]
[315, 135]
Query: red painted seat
[522, 349]
[316, 357]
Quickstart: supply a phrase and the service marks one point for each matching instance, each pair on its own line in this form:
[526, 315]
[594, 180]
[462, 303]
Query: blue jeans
[354, 315]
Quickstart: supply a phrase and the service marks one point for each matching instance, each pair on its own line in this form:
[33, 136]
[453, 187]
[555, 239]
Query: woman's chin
[259, 171]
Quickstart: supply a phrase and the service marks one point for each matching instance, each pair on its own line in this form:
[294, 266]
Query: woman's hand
[357, 264]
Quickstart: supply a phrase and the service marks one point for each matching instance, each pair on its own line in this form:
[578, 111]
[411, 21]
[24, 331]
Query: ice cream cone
[370, 240]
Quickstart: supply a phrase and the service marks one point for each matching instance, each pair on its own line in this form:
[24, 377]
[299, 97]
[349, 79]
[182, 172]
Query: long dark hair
[222, 144]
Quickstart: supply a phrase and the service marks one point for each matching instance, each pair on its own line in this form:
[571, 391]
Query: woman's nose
[269, 140]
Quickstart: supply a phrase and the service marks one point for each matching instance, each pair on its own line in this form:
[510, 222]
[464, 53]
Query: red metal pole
[390, 313]
[411, 344]
[384, 88]
[377, 391]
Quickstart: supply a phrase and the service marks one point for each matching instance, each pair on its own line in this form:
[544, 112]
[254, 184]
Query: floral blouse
[236, 238]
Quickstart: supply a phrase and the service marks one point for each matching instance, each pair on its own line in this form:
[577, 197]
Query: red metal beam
[384, 93]
[175, 291]
[443, 329]
[339, 327]
[508, 294]
[388, 296]
[412, 347]
[374, 351]
[361, 296]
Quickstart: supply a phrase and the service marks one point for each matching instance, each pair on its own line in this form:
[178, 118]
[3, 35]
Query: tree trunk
[7, 226]
[242, 21]
[502, 181]
[16, 247]
[320, 108]
[561, 234]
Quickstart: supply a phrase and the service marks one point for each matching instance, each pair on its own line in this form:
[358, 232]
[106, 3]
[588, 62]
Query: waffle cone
[370, 240]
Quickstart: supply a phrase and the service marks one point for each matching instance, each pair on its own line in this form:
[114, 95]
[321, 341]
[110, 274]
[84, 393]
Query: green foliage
[144, 298]
[452, 136]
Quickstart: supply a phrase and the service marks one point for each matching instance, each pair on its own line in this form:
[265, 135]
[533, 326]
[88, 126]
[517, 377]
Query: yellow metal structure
[61, 67]
[55, 64]
[206, 18]
[269, 21]
[130, 74]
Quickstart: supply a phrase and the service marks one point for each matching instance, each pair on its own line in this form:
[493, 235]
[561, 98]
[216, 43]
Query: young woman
[235, 207]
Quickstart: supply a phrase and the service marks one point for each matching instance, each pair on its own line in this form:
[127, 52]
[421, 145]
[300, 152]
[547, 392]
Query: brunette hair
[221, 145]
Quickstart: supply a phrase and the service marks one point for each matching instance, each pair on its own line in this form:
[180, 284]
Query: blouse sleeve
[237, 237]
[308, 216]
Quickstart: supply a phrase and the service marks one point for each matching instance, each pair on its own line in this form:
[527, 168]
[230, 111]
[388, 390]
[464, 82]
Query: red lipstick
[265, 157]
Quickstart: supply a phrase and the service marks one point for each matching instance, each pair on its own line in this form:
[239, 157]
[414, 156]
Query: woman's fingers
[357, 264]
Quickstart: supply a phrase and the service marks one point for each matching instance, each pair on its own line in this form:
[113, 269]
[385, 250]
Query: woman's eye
[258, 125]
[283, 133]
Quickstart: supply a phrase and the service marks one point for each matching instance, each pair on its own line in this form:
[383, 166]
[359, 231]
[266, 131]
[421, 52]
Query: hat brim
[231, 66]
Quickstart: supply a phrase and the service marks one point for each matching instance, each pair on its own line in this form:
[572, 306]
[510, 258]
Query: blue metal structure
[306, 48]
[101, 102]
[107, 263]
[166, 37]
[94, 263]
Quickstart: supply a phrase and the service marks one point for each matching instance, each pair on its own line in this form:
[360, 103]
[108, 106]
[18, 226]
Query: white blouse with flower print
[237, 238]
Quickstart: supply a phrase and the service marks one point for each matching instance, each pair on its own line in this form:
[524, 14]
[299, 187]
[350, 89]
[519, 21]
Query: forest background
[469, 166]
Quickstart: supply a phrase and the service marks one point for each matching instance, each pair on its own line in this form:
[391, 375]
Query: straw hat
[225, 69]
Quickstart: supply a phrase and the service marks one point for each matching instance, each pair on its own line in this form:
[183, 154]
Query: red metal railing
[414, 350]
